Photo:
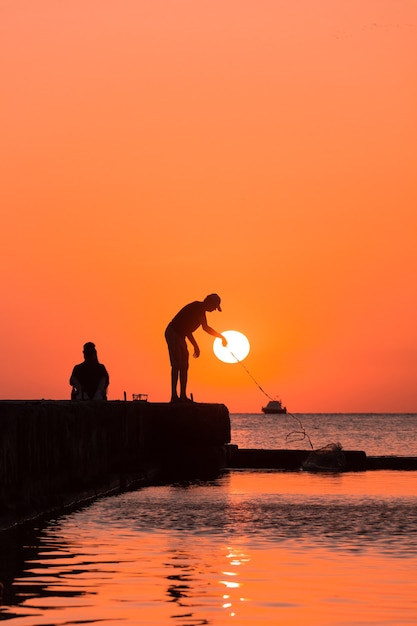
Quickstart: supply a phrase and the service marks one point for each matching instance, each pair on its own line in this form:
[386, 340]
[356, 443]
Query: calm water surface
[252, 547]
[375, 434]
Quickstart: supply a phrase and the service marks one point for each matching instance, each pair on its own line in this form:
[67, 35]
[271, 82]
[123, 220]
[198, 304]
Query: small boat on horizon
[274, 406]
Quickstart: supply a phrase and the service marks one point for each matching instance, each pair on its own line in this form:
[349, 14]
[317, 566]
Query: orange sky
[156, 151]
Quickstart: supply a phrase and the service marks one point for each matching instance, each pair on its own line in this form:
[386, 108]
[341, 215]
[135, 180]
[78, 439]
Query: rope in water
[294, 435]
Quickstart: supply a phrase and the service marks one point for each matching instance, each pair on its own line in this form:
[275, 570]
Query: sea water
[251, 547]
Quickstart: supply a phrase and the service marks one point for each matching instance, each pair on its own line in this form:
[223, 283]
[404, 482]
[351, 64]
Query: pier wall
[356, 460]
[57, 453]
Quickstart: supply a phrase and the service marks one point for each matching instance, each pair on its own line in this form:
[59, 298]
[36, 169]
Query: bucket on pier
[142, 397]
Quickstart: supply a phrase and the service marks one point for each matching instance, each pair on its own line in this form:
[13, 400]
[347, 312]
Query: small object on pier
[142, 397]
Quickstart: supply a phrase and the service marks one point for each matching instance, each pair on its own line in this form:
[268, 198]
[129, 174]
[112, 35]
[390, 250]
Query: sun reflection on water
[236, 559]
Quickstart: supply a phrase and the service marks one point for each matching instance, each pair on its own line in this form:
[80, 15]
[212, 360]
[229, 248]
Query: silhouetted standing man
[89, 379]
[182, 326]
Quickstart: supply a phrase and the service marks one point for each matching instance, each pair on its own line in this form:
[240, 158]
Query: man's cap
[215, 299]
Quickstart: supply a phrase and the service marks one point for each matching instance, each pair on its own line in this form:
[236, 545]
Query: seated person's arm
[100, 393]
[77, 386]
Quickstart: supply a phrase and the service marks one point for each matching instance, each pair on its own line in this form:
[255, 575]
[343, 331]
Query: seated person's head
[89, 350]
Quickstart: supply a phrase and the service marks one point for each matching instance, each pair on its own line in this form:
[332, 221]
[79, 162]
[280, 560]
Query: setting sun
[237, 347]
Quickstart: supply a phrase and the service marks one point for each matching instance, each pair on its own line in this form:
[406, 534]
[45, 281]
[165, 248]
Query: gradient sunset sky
[155, 151]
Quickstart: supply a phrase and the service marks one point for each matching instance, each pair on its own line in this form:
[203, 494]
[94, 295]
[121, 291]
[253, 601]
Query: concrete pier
[356, 460]
[55, 454]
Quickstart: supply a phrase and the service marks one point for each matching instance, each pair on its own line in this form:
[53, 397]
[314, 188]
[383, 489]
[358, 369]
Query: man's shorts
[177, 348]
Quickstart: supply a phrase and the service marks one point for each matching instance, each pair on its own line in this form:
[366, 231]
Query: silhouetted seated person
[89, 379]
[182, 326]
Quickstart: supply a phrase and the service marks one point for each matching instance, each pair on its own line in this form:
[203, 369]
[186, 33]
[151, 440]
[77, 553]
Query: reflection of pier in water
[180, 582]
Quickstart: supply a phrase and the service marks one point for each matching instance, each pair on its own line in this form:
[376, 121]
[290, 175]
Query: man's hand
[224, 341]
[196, 352]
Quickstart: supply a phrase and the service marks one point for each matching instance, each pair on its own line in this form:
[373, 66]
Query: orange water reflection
[391, 484]
[317, 587]
[252, 548]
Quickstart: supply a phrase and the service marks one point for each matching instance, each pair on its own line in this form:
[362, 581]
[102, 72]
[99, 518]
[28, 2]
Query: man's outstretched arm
[214, 333]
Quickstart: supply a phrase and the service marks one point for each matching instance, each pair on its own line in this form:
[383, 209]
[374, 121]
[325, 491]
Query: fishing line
[249, 374]
[297, 435]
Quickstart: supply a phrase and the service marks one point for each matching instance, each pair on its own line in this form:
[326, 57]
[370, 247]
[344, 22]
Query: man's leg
[183, 383]
[174, 380]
